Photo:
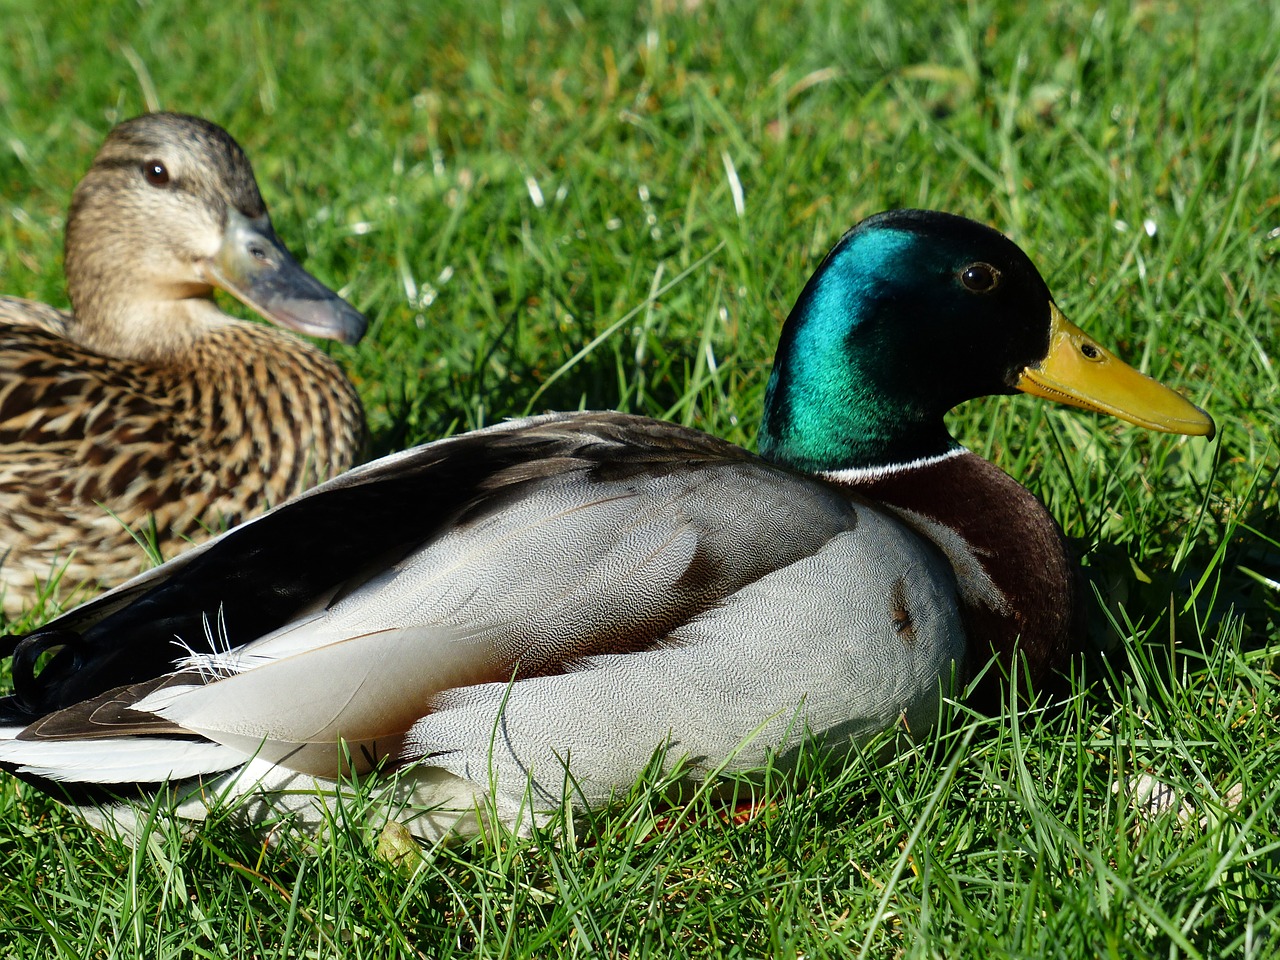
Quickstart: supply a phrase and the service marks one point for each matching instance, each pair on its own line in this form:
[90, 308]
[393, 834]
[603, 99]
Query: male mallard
[148, 401]
[585, 588]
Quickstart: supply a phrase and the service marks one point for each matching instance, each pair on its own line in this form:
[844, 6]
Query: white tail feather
[122, 760]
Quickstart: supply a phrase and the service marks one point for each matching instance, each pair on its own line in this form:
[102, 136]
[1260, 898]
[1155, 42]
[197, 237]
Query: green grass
[536, 206]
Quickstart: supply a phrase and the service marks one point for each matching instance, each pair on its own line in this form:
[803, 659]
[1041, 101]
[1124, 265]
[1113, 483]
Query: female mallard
[147, 408]
[585, 588]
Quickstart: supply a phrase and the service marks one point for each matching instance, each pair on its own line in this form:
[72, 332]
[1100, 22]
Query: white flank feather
[119, 760]
[366, 691]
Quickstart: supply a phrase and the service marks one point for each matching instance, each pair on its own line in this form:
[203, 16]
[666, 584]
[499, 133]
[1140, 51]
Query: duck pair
[518, 617]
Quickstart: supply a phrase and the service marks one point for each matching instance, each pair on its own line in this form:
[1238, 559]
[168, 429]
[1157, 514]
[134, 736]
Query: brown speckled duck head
[174, 197]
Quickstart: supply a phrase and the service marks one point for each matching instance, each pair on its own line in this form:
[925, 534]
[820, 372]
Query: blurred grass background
[613, 205]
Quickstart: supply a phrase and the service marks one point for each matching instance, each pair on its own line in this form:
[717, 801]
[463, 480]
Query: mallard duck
[584, 589]
[147, 408]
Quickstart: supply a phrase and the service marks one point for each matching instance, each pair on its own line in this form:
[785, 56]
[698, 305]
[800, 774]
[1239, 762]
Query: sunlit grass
[614, 206]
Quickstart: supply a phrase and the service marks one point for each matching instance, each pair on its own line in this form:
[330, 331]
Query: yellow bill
[1081, 372]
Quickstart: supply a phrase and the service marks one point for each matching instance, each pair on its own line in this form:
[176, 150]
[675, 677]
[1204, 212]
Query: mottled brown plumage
[147, 408]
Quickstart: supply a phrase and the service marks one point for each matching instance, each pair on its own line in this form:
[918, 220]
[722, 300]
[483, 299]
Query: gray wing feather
[814, 647]
[573, 569]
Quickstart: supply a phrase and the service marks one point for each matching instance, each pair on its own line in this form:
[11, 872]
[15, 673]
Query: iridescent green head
[914, 312]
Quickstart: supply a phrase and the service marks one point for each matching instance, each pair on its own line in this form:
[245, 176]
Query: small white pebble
[1152, 797]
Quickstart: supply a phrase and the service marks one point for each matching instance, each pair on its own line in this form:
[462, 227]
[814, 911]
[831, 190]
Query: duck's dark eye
[979, 277]
[156, 173]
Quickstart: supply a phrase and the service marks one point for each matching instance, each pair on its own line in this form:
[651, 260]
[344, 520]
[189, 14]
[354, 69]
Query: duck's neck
[1018, 586]
[828, 405]
[158, 330]
[140, 313]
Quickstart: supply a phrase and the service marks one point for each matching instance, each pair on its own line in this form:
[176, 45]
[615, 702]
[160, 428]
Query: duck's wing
[528, 556]
[836, 646]
[326, 543]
